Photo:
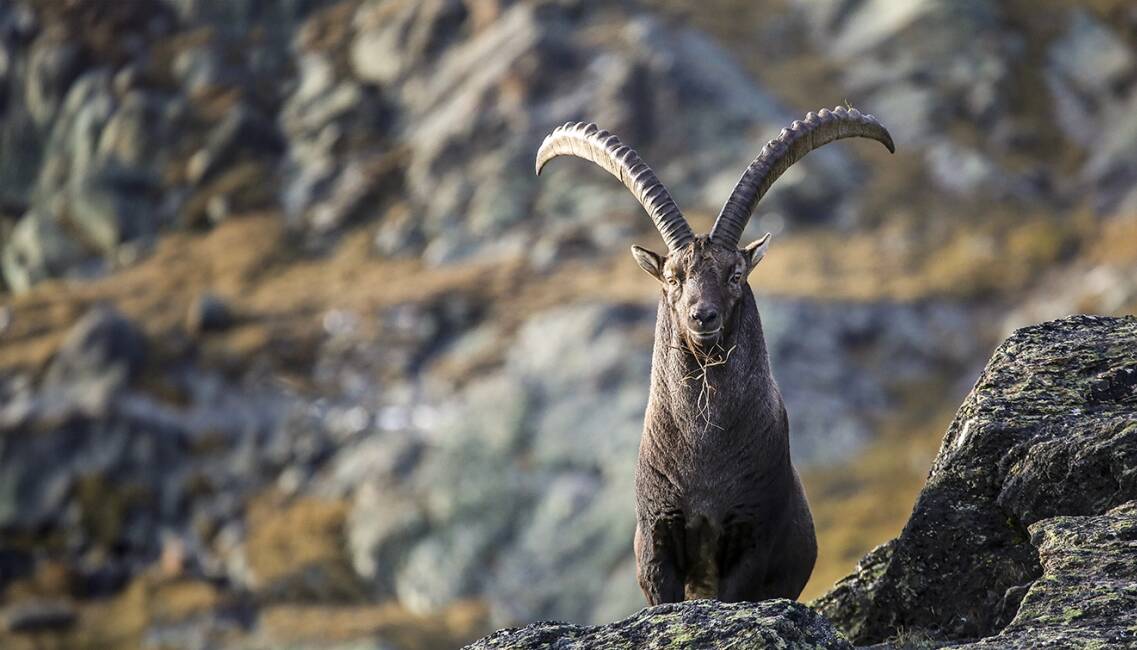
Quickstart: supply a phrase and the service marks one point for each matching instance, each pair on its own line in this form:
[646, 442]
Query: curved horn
[601, 147]
[779, 154]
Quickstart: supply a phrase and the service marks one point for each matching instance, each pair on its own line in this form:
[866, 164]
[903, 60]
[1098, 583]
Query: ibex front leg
[659, 559]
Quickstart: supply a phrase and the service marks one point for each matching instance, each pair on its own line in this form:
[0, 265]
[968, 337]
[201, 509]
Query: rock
[113, 207]
[337, 152]
[38, 249]
[243, 131]
[1087, 594]
[578, 533]
[694, 624]
[199, 69]
[1110, 168]
[392, 39]
[468, 100]
[71, 151]
[207, 314]
[102, 343]
[380, 528]
[139, 133]
[53, 65]
[45, 616]
[1047, 432]
[245, 15]
[1085, 66]
[961, 170]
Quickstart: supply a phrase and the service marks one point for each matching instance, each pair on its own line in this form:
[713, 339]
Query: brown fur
[721, 512]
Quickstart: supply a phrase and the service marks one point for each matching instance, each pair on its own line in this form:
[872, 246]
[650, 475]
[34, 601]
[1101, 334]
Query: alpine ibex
[720, 510]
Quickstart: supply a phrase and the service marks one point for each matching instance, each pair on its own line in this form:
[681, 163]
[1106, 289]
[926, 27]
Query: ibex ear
[649, 261]
[756, 251]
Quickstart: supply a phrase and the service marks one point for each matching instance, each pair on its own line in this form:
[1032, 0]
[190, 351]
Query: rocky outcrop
[1087, 594]
[1042, 449]
[694, 624]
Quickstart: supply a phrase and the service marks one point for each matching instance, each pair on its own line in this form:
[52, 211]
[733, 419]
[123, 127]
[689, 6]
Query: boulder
[1087, 594]
[39, 616]
[208, 313]
[37, 249]
[694, 624]
[1047, 434]
[101, 343]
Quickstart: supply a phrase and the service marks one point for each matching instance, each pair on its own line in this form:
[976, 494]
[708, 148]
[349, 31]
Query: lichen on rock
[776, 623]
[1087, 595]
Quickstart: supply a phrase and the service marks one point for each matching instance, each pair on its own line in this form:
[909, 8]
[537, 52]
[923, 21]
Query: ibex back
[720, 510]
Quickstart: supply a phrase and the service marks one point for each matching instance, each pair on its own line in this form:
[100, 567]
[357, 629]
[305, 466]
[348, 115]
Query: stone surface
[693, 624]
[1049, 431]
[1087, 594]
[39, 616]
[102, 343]
[37, 249]
[209, 313]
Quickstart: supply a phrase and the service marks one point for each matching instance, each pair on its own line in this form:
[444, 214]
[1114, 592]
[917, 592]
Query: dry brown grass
[280, 295]
[298, 552]
[121, 622]
[1116, 242]
[458, 625]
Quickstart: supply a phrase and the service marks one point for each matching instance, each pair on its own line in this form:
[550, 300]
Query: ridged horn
[592, 143]
[779, 154]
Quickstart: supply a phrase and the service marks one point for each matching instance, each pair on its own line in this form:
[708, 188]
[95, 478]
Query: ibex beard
[720, 509]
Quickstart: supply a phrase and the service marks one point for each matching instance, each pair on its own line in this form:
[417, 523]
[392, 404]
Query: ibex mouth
[704, 339]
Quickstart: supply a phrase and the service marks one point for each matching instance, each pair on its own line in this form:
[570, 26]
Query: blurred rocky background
[295, 351]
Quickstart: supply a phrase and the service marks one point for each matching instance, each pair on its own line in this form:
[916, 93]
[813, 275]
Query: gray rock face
[467, 103]
[97, 134]
[693, 624]
[1090, 74]
[209, 313]
[1047, 434]
[38, 249]
[917, 63]
[111, 470]
[531, 459]
[102, 343]
[1086, 66]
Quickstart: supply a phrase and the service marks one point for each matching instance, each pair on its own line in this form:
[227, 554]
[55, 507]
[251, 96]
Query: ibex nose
[704, 316]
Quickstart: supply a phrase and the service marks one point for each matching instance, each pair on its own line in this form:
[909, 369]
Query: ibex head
[704, 276]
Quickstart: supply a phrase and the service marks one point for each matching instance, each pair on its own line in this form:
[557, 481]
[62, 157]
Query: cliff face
[1025, 533]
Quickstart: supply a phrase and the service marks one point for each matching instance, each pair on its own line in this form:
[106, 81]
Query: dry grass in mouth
[706, 361]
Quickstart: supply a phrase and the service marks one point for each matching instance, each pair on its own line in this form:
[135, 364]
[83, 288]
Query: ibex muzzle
[720, 510]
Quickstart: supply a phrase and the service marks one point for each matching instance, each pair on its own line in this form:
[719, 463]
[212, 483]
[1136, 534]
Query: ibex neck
[721, 392]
